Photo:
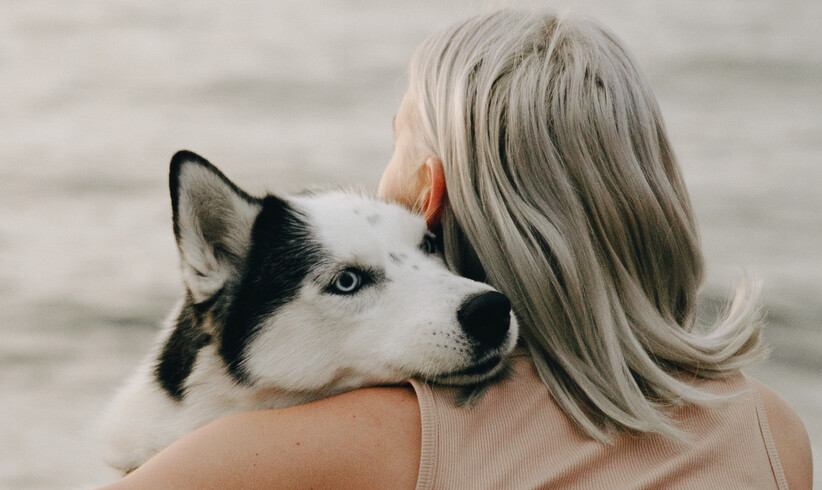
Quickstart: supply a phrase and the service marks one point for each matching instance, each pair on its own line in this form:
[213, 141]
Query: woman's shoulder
[789, 436]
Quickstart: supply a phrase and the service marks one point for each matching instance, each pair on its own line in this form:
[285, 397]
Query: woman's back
[518, 437]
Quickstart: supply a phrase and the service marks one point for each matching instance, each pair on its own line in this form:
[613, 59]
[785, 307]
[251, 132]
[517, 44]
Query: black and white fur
[293, 299]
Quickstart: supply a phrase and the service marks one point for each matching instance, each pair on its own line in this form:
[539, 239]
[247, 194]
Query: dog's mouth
[480, 368]
[475, 373]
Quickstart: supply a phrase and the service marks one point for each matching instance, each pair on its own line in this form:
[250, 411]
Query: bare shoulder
[368, 438]
[790, 437]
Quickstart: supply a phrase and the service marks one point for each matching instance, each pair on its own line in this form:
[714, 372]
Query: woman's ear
[436, 195]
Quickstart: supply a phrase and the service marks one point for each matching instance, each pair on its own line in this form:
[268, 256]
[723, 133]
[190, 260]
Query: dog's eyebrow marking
[281, 241]
[373, 219]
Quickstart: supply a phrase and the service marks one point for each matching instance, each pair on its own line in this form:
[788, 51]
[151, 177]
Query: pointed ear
[213, 219]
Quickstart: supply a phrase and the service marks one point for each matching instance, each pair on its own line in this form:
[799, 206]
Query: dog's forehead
[353, 222]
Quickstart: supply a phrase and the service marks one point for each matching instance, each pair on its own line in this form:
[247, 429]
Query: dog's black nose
[486, 318]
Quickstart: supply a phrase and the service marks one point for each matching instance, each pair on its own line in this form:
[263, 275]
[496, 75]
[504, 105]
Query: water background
[95, 96]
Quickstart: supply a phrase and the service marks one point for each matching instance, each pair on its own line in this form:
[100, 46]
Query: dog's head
[328, 291]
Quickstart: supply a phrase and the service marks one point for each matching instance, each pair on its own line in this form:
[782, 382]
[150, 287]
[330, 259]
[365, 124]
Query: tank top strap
[430, 435]
[767, 438]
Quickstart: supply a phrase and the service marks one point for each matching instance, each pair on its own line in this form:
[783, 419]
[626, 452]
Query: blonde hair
[564, 193]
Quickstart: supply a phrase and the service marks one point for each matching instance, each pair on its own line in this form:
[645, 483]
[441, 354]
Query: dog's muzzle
[486, 320]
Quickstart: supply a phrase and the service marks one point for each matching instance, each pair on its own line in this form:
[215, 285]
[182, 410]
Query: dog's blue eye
[347, 282]
[429, 244]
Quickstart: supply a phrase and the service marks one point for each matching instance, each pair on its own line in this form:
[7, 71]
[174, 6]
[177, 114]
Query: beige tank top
[517, 437]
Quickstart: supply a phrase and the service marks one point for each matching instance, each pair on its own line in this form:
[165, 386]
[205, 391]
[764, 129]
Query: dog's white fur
[317, 344]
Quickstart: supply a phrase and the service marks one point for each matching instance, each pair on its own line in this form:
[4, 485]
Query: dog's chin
[478, 373]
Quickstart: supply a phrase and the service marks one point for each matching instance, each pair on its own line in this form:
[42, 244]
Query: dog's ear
[213, 219]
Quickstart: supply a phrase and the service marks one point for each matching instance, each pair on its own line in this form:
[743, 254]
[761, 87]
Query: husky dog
[292, 299]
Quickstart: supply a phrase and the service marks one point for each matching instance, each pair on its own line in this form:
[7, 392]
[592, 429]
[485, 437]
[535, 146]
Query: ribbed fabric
[517, 437]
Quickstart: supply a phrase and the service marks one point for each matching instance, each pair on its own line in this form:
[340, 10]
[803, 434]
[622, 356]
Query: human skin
[368, 438]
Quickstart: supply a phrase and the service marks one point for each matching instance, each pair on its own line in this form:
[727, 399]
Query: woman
[538, 147]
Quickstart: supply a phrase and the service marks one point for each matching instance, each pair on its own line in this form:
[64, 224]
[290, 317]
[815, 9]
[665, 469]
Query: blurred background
[95, 97]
